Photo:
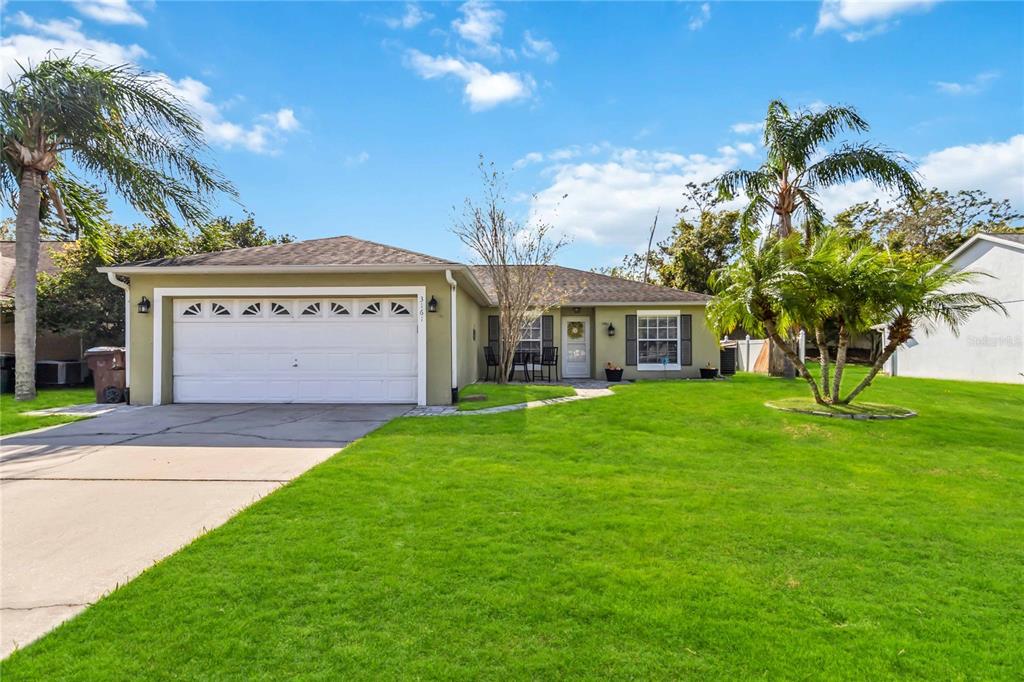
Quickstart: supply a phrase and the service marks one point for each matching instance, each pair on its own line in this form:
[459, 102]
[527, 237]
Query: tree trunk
[26, 255]
[819, 338]
[844, 344]
[794, 358]
[785, 223]
[900, 329]
[778, 364]
[890, 348]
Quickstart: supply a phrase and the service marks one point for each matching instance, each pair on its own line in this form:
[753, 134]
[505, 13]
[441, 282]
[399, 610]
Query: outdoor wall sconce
[576, 309]
[432, 305]
[143, 306]
[611, 329]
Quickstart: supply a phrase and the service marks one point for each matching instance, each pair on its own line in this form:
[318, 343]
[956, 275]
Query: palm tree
[765, 291]
[849, 290]
[924, 295]
[797, 168]
[66, 118]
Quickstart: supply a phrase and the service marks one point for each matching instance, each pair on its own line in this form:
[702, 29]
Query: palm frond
[882, 167]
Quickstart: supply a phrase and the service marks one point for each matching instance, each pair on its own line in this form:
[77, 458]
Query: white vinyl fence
[748, 349]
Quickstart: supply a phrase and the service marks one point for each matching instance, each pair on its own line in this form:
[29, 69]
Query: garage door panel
[341, 361]
[294, 358]
[401, 362]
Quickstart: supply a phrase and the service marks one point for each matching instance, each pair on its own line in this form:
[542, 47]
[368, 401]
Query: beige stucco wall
[612, 349]
[468, 333]
[438, 324]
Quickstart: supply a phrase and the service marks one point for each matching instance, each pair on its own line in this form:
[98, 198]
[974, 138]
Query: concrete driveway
[89, 505]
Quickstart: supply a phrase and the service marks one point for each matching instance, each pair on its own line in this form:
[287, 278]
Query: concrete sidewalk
[89, 505]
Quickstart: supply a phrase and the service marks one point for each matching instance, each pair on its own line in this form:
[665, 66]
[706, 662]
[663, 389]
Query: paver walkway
[451, 410]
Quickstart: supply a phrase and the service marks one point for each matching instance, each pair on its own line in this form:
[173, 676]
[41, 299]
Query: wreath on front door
[574, 330]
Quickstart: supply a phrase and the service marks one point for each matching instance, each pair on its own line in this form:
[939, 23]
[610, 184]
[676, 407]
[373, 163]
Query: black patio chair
[492, 361]
[549, 359]
[524, 359]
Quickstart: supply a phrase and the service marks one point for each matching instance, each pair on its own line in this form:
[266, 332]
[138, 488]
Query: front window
[657, 341]
[531, 341]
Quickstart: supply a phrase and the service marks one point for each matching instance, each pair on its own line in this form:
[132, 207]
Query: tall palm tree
[924, 295]
[798, 167]
[66, 118]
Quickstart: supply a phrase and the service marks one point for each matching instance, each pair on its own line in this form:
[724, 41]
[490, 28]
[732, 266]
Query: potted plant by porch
[708, 372]
[612, 372]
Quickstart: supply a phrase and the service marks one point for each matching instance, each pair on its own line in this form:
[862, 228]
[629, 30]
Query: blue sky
[367, 119]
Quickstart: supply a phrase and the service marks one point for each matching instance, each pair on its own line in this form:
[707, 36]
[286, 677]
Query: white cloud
[701, 17]
[532, 157]
[797, 32]
[484, 89]
[357, 159]
[614, 200]
[746, 147]
[413, 16]
[480, 26]
[65, 38]
[995, 167]
[539, 48]
[62, 37]
[862, 19]
[110, 12]
[974, 86]
[746, 128]
[285, 120]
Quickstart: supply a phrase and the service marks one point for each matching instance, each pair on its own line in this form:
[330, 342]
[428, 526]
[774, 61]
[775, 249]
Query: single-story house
[990, 346]
[348, 320]
[49, 346]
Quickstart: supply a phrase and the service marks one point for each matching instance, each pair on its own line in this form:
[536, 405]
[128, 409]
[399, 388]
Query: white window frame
[657, 366]
[162, 293]
[534, 326]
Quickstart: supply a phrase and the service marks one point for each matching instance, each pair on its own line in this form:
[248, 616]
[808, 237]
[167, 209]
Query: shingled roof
[588, 288]
[337, 251]
[47, 249]
[579, 286]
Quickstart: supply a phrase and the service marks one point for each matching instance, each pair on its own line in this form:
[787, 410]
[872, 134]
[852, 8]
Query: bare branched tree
[516, 256]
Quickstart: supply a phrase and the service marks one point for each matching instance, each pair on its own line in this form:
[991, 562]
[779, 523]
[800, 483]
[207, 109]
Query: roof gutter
[455, 336]
[127, 327]
[161, 270]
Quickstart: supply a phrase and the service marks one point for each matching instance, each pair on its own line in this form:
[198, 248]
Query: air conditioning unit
[59, 372]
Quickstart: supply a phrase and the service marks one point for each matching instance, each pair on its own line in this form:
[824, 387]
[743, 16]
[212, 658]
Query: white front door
[295, 350]
[576, 347]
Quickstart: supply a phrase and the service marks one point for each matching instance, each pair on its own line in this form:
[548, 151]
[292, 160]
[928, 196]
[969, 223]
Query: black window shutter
[686, 339]
[547, 330]
[631, 340]
[493, 332]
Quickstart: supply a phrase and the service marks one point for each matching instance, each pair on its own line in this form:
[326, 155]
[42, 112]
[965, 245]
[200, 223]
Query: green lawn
[13, 421]
[674, 530]
[856, 408]
[510, 394]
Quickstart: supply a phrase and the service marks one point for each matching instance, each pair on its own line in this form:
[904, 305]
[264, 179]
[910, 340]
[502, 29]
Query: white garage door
[302, 350]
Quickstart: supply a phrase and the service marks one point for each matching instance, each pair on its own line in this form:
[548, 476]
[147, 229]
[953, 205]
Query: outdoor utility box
[58, 372]
[108, 373]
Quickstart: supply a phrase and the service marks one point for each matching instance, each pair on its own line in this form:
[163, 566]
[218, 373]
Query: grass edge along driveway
[13, 421]
[676, 529]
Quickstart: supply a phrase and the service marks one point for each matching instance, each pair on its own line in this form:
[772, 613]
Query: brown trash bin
[108, 373]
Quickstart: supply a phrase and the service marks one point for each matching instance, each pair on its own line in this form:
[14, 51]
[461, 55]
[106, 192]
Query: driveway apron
[87, 506]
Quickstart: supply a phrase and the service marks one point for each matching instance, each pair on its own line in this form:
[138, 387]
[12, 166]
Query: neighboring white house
[990, 346]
